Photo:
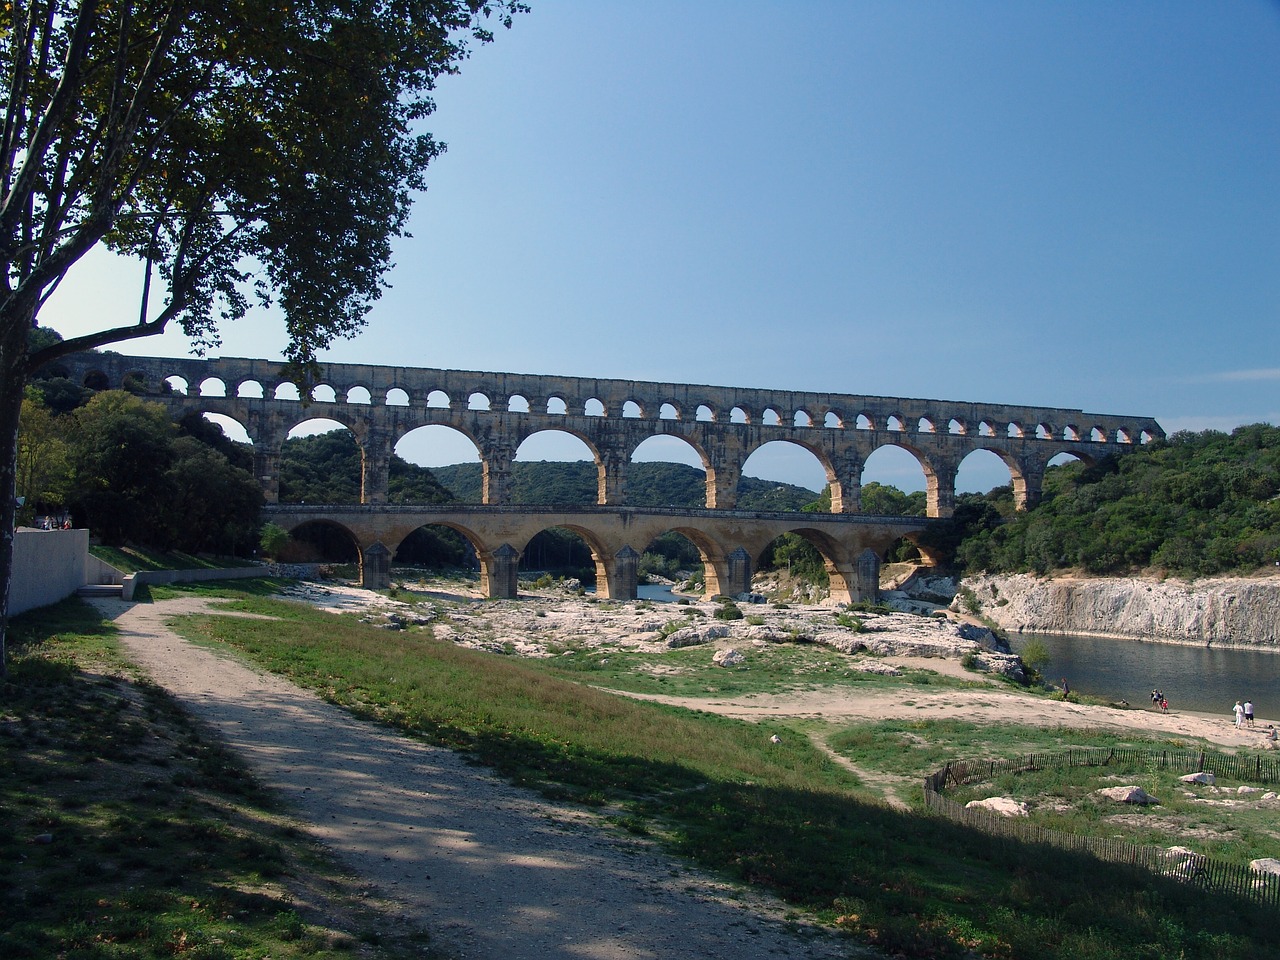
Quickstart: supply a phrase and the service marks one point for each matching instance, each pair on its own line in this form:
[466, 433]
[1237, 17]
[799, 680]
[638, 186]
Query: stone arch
[632, 410]
[594, 407]
[562, 444]
[982, 469]
[438, 400]
[833, 420]
[440, 545]
[285, 390]
[669, 411]
[359, 394]
[518, 403]
[864, 421]
[344, 487]
[925, 425]
[768, 460]
[322, 541]
[232, 428]
[957, 427]
[739, 414]
[1044, 431]
[598, 549]
[887, 461]
[250, 389]
[710, 556]
[802, 418]
[812, 556]
[705, 414]
[672, 449]
[477, 401]
[557, 406]
[434, 445]
[397, 397]
[986, 428]
[324, 393]
[175, 383]
[770, 417]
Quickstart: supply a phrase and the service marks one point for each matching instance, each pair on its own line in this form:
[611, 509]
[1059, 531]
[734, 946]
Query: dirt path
[997, 704]
[493, 872]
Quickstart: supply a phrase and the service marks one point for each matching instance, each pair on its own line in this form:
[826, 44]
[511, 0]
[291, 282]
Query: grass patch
[690, 672]
[783, 815]
[134, 559]
[130, 835]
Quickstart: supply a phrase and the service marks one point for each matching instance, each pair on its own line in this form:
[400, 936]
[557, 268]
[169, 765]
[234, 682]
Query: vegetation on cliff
[1195, 504]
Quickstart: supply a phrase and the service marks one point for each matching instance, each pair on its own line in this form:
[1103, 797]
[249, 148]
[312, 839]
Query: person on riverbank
[1164, 704]
[1066, 689]
[1238, 710]
[1248, 713]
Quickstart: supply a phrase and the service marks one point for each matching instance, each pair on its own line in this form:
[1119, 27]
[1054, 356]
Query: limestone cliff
[1243, 611]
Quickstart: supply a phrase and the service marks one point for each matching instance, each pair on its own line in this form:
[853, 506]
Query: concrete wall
[48, 566]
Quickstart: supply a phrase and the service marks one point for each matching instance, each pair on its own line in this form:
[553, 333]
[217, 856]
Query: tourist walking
[1238, 710]
[1248, 713]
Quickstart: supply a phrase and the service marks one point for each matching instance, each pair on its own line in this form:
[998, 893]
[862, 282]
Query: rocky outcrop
[1243, 611]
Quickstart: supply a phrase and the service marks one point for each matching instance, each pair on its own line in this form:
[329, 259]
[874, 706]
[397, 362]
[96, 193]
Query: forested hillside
[648, 485]
[119, 465]
[1193, 505]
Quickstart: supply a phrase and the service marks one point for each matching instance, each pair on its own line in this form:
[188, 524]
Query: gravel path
[491, 871]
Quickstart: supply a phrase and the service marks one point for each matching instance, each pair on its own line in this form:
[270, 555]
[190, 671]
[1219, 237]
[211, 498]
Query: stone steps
[100, 590]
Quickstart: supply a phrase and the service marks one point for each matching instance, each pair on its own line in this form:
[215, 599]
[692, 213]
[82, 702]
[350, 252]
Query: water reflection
[1192, 677]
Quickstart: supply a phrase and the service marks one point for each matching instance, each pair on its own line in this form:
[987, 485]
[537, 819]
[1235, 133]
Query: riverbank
[542, 623]
[1221, 611]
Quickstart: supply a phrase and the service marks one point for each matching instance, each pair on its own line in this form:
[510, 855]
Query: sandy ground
[499, 873]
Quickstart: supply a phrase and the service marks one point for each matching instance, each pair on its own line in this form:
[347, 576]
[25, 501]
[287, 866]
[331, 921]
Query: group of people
[1243, 713]
[53, 523]
[1158, 699]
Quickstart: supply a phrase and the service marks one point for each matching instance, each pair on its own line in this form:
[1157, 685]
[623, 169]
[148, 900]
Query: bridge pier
[737, 577]
[622, 581]
[375, 567]
[499, 573]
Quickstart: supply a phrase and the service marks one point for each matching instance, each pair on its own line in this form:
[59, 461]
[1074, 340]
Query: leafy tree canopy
[243, 150]
[1193, 505]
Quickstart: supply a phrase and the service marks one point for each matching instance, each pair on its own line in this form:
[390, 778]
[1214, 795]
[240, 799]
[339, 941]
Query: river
[1191, 676]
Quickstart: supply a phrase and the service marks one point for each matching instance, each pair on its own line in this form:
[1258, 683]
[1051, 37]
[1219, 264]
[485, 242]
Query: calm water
[1205, 679]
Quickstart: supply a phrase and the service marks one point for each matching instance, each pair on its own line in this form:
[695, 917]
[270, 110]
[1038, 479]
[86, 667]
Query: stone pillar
[738, 579]
[268, 439]
[722, 488]
[375, 466]
[375, 567]
[499, 570]
[1028, 488]
[611, 483]
[867, 577]
[846, 492]
[625, 577]
[941, 489]
[496, 476]
[266, 468]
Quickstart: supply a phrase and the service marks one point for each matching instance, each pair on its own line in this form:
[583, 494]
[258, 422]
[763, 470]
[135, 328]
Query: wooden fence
[1205, 872]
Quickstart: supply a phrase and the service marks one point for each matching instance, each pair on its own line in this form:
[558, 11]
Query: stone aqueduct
[724, 425]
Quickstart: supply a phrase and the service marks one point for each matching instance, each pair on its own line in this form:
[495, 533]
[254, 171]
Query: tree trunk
[14, 325]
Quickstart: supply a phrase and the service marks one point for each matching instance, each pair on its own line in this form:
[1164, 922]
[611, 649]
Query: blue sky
[1059, 204]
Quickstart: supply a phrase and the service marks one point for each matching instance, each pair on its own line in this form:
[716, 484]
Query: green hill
[648, 485]
[1195, 504]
